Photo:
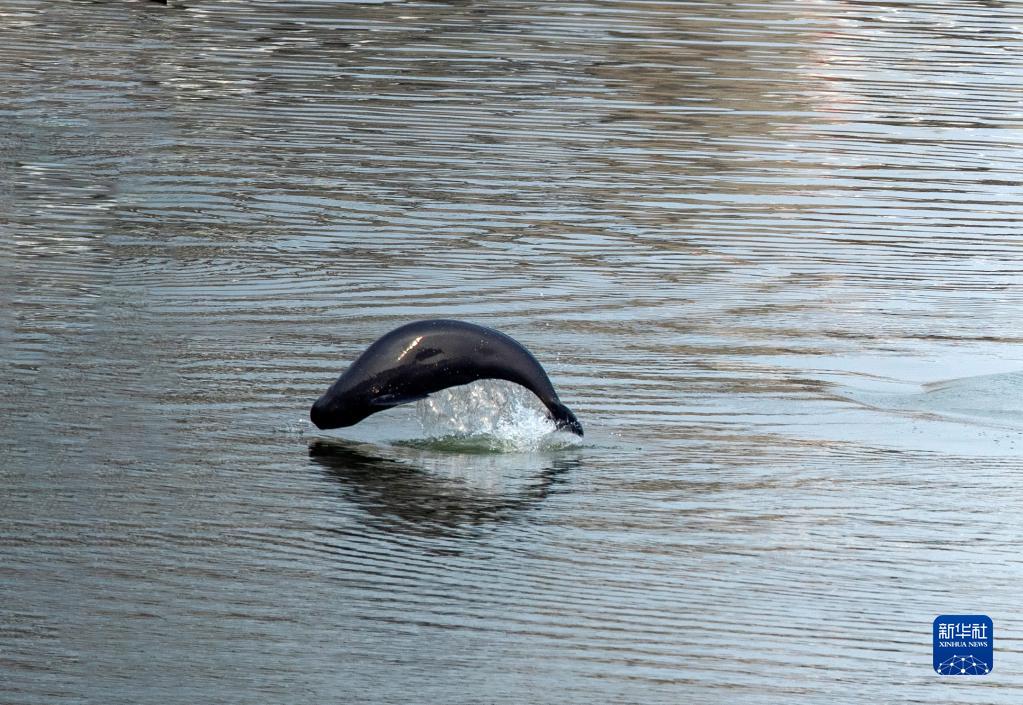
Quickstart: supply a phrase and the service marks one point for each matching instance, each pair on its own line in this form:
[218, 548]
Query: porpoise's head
[339, 408]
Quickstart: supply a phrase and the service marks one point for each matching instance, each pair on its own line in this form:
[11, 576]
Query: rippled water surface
[770, 254]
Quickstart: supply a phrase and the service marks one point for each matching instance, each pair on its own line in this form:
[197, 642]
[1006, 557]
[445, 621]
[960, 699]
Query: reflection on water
[768, 253]
[408, 497]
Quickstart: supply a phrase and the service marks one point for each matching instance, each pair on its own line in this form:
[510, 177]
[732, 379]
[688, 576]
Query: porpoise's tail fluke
[564, 418]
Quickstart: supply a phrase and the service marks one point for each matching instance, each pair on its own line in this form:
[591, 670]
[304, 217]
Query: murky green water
[768, 252]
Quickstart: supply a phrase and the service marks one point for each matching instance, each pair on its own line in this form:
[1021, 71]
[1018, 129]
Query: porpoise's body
[418, 359]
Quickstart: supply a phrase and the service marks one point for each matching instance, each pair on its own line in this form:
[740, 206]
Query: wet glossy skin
[420, 358]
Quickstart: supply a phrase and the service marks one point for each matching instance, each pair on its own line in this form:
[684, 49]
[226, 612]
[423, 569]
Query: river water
[769, 253]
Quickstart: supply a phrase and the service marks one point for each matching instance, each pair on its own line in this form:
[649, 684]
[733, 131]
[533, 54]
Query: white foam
[492, 415]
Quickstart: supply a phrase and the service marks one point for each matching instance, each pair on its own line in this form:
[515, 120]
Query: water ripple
[767, 252]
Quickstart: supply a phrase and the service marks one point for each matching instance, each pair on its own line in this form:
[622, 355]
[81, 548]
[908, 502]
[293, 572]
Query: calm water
[770, 253]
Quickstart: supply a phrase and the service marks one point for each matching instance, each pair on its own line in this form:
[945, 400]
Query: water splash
[488, 416]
